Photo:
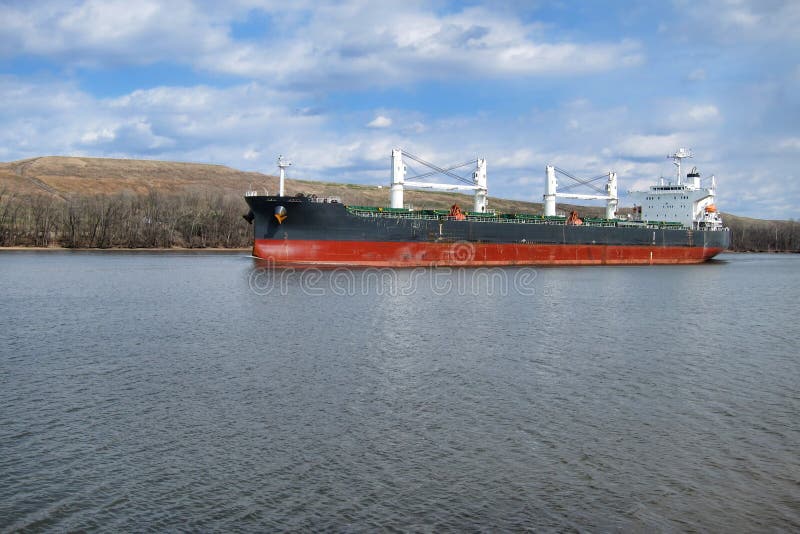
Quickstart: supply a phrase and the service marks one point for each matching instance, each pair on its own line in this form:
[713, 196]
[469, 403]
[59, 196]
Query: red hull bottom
[464, 254]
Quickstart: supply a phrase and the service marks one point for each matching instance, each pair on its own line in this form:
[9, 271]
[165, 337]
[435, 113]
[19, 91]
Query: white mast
[282, 165]
[613, 198]
[551, 193]
[398, 175]
[481, 192]
[550, 187]
[676, 160]
[399, 183]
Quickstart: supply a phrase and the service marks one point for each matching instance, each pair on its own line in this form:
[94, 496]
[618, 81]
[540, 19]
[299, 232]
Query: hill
[63, 177]
[66, 177]
[99, 202]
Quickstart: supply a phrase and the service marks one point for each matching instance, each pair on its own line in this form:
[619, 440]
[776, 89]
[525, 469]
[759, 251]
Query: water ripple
[160, 392]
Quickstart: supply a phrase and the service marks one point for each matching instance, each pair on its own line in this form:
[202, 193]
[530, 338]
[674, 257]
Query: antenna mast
[282, 165]
[677, 157]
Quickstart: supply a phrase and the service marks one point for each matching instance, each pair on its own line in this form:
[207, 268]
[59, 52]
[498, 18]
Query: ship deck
[514, 218]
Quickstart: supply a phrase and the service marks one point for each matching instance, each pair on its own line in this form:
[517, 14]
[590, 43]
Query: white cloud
[337, 44]
[95, 136]
[685, 116]
[702, 113]
[251, 154]
[519, 158]
[199, 123]
[110, 32]
[380, 122]
[648, 146]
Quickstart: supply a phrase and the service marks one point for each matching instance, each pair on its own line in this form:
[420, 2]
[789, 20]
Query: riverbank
[209, 250]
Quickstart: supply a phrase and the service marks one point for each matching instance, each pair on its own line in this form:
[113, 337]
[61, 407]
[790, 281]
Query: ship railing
[372, 214]
[300, 198]
[325, 200]
[608, 223]
[384, 215]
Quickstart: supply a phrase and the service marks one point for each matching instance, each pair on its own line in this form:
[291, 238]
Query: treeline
[752, 235]
[158, 220]
[125, 221]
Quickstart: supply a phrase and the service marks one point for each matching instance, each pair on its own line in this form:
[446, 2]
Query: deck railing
[431, 215]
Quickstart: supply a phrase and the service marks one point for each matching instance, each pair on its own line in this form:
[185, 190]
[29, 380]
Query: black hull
[306, 220]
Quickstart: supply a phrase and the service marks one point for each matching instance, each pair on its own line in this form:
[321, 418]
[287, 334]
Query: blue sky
[586, 86]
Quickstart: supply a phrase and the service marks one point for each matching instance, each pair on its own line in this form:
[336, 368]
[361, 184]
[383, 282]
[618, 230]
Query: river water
[210, 392]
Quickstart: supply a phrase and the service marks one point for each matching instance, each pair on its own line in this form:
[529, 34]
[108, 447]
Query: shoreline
[213, 250]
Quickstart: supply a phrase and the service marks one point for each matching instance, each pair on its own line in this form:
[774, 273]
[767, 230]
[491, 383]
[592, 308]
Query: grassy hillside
[63, 177]
[94, 202]
[67, 177]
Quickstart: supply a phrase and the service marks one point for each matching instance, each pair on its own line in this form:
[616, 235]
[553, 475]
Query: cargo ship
[672, 222]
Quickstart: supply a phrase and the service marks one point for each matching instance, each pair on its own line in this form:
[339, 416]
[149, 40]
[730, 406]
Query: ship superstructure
[683, 201]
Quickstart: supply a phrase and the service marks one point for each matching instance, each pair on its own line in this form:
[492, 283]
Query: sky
[586, 86]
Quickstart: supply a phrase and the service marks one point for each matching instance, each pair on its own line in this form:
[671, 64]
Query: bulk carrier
[672, 222]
